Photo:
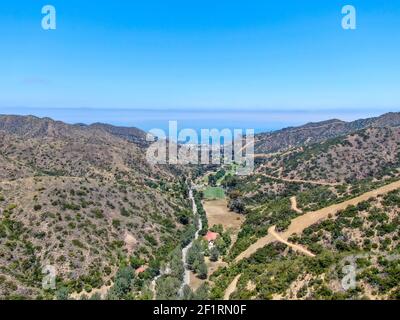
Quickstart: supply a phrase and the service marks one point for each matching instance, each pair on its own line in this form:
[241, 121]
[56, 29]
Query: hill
[317, 132]
[83, 199]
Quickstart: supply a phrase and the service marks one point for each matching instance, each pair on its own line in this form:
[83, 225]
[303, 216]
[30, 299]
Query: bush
[202, 271]
[136, 262]
[214, 254]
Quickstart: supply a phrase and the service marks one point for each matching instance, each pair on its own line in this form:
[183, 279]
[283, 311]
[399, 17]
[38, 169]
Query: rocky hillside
[368, 153]
[318, 132]
[318, 166]
[83, 199]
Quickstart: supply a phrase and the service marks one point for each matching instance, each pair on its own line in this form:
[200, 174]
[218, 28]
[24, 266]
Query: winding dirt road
[302, 222]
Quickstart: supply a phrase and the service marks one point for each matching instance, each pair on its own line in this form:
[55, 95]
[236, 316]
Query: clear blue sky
[211, 54]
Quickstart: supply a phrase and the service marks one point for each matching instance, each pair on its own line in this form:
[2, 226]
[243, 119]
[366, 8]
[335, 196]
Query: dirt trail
[319, 183]
[295, 247]
[231, 288]
[302, 222]
[293, 202]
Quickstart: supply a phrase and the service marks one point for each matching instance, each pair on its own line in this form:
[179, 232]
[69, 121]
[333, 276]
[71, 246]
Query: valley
[85, 200]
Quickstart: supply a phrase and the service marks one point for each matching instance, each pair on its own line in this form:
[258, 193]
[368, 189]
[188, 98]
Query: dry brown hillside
[311, 133]
[369, 153]
[80, 198]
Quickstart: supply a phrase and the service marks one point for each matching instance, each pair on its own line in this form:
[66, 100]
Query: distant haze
[259, 120]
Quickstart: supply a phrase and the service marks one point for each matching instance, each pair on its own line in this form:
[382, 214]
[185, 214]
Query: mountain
[134, 135]
[321, 215]
[317, 132]
[32, 126]
[367, 153]
[81, 198]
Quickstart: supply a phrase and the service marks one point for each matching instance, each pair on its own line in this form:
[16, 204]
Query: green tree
[202, 270]
[214, 254]
[176, 265]
[187, 293]
[122, 284]
[62, 294]
[168, 288]
[202, 293]
[136, 262]
[194, 254]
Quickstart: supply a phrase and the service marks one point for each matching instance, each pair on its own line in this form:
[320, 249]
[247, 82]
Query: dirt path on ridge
[231, 288]
[295, 247]
[302, 222]
[293, 202]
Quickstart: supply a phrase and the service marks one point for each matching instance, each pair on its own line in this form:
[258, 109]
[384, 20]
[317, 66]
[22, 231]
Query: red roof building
[140, 269]
[211, 236]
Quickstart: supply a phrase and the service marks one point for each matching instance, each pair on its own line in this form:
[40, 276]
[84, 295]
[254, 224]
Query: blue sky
[203, 55]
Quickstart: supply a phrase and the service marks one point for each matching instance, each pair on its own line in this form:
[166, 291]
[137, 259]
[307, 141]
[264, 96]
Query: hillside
[84, 199]
[298, 185]
[368, 153]
[317, 132]
[365, 237]
[81, 198]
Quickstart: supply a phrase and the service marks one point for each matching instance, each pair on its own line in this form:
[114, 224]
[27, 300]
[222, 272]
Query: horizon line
[214, 110]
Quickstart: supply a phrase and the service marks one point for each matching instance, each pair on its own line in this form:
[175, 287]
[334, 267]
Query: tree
[212, 180]
[168, 288]
[202, 292]
[237, 205]
[136, 262]
[184, 216]
[146, 293]
[214, 254]
[218, 228]
[122, 284]
[176, 265]
[62, 294]
[194, 254]
[202, 270]
[187, 293]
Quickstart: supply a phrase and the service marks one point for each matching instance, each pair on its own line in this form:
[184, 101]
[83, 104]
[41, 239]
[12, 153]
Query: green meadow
[214, 193]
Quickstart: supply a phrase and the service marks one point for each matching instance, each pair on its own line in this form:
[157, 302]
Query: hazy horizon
[147, 119]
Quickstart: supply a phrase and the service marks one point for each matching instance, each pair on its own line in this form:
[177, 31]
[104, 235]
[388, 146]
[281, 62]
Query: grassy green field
[214, 193]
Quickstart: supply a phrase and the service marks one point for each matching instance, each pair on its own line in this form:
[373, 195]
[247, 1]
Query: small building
[211, 237]
[141, 269]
